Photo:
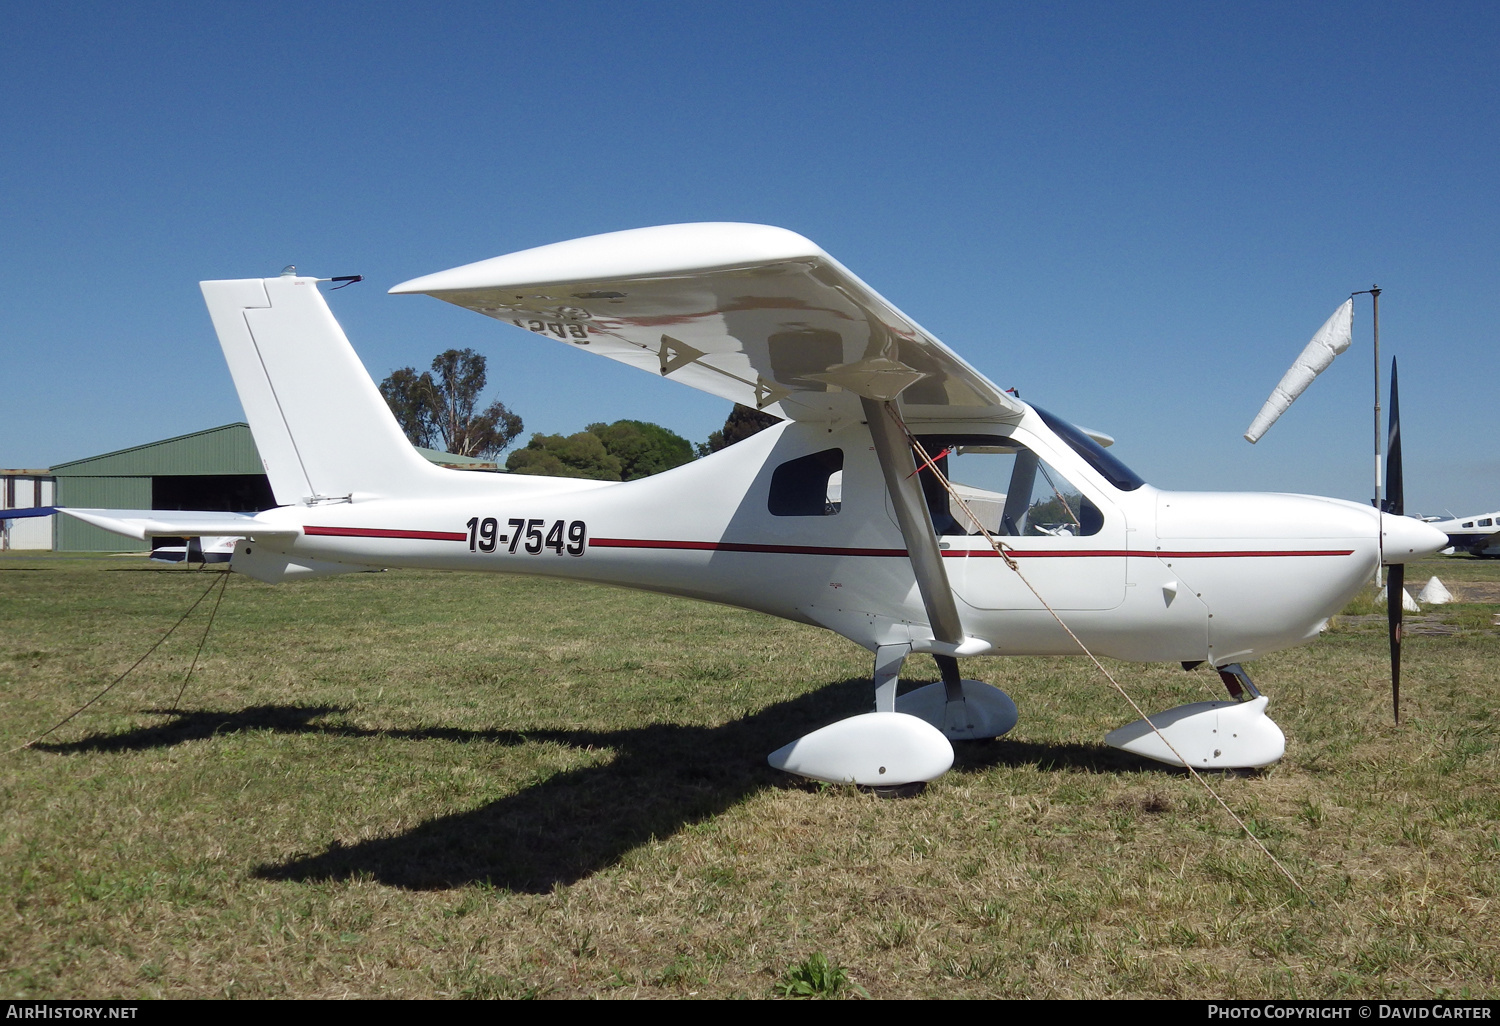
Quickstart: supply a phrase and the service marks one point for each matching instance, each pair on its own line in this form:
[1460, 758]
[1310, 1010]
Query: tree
[580, 455]
[406, 394]
[740, 425]
[618, 452]
[642, 448]
[622, 451]
[437, 408]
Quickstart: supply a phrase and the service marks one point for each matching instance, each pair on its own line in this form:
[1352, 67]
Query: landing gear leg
[1238, 683]
[964, 710]
[953, 685]
[888, 660]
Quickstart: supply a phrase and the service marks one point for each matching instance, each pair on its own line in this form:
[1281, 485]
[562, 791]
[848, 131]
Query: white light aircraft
[207, 549]
[825, 518]
[1477, 535]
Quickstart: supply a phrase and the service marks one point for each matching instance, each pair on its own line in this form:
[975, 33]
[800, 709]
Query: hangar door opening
[236, 493]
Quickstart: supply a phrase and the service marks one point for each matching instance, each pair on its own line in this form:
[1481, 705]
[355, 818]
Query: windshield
[1115, 472]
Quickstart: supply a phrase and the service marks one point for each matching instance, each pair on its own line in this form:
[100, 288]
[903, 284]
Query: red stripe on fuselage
[827, 550]
[1238, 554]
[381, 532]
[794, 550]
[819, 550]
[1210, 554]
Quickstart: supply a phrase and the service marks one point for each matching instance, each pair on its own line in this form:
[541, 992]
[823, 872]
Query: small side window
[809, 486]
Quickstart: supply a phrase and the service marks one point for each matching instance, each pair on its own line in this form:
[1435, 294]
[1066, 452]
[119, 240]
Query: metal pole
[1375, 297]
[1374, 293]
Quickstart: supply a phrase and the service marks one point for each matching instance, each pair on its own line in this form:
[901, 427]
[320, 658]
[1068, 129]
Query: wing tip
[632, 253]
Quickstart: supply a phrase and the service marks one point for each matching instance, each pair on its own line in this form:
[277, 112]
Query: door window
[1007, 488]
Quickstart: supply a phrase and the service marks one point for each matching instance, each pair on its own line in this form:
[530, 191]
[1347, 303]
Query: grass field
[423, 785]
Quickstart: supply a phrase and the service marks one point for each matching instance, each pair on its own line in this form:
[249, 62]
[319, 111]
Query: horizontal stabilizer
[141, 524]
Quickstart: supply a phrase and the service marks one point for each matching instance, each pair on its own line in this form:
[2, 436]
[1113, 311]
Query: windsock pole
[1374, 293]
[1375, 322]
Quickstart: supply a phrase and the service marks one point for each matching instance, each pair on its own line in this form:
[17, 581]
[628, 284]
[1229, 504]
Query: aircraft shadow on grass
[575, 823]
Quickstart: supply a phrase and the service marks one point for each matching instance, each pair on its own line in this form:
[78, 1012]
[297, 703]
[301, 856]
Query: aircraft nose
[1404, 539]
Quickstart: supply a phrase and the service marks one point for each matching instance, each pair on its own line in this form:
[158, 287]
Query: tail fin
[323, 429]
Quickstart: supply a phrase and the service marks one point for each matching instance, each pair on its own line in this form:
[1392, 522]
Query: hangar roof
[228, 449]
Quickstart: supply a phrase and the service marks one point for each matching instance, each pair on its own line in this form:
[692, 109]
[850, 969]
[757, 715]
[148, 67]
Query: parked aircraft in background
[1476, 535]
[208, 549]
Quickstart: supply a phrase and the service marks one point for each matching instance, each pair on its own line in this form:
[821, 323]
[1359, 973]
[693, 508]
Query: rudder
[322, 427]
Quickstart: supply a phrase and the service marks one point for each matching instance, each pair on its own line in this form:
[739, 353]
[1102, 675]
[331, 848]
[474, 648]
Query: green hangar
[216, 469]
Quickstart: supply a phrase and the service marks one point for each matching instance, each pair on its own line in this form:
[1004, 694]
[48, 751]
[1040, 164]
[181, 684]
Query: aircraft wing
[751, 313]
[154, 523]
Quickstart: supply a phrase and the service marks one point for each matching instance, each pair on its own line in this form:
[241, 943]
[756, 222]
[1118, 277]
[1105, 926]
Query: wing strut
[907, 739]
[894, 452]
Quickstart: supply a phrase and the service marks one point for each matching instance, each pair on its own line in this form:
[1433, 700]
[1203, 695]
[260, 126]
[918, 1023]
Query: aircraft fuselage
[1162, 575]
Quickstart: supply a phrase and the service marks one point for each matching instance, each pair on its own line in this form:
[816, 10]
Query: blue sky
[1135, 213]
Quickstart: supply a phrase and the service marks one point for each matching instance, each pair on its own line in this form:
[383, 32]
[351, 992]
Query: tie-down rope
[1004, 552]
[221, 581]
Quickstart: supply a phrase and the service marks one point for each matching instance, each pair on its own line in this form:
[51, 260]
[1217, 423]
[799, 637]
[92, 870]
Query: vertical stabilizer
[322, 427]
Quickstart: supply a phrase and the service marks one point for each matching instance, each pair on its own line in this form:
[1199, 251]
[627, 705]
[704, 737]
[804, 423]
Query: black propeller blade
[1395, 504]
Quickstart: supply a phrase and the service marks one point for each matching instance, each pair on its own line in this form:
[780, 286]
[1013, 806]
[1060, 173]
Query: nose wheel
[1209, 735]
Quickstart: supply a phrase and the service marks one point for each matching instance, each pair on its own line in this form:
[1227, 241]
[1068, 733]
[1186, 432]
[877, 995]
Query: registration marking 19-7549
[485, 536]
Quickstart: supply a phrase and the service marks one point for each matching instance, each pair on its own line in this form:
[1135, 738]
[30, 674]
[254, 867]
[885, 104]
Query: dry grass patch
[425, 785]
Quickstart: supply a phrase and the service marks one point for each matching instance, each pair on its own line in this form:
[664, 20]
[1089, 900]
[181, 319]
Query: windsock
[1331, 340]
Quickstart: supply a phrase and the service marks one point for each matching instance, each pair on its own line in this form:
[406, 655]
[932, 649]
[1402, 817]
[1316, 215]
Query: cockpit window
[1098, 457]
[1007, 489]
